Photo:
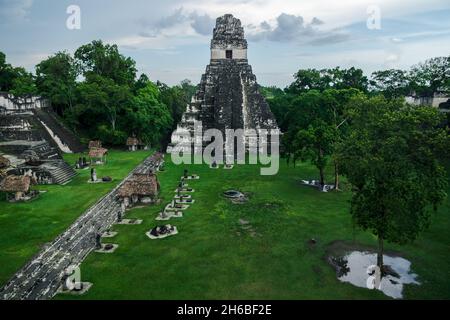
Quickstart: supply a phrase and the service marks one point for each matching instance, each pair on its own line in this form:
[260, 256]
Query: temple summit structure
[227, 96]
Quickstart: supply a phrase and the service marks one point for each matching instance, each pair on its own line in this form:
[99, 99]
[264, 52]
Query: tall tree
[316, 144]
[347, 78]
[188, 89]
[149, 118]
[141, 82]
[56, 80]
[338, 102]
[102, 102]
[309, 79]
[7, 74]
[392, 157]
[337, 78]
[392, 83]
[23, 83]
[280, 103]
[312, 129]
[175, 99]
[17, 80]
[106, 61]
[431, 76]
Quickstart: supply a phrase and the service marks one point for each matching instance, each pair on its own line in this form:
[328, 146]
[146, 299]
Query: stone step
[62, 172]
[65, 135]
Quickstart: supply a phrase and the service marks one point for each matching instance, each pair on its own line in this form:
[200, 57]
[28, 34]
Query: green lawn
[25, 227]
[212, 257]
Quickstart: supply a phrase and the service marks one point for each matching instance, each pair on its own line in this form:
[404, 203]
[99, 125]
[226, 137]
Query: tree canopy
[56, 80]
[392, 157]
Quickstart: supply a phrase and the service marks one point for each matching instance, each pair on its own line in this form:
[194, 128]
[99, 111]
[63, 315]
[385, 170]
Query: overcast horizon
[170, 40]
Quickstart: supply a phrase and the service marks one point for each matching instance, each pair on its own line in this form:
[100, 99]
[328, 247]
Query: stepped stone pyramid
[227, 96]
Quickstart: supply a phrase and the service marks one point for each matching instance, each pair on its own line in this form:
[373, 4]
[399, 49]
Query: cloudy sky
[170, 39]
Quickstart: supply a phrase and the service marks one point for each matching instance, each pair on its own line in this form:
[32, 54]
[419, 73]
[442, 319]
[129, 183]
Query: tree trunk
[112, 120]
[380, 253]
[322, 178]
[336, 176]
[321, 169]
[70, 102]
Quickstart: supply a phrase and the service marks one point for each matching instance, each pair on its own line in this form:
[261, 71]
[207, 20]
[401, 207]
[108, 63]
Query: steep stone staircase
[60, 171]
[64, 134]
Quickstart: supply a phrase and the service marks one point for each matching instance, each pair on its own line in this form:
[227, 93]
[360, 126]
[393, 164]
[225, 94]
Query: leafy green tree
[316, 123]
[280, 103]
[309, 79]
[315, 143]
[7, 74]
[431, 76]
[106, 61]
[56, 80]
[23, 83]
[312, 129]
[149, 118]
[17, 81]
[102, 105]
[347, 79]
[141, 82]
[392, 83]
[338, 104]
[335, 78]
[175, 99]
[188, 89]
[271, 92]
[392, 157]
[106, 93]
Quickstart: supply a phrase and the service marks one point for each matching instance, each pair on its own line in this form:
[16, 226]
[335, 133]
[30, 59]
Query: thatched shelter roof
[4, 162]
[15, 183]
[95, 144]
[97, 152]
[131, 141]
[141, 185]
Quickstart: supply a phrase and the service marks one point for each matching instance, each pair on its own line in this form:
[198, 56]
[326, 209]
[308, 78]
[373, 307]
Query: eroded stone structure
[438, 100]
[30, 118]
[11, 104]
[227, 96]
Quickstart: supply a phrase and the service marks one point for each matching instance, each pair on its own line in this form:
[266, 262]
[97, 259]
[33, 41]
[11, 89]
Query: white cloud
[172, 39]
[14, 10]
[294, 28]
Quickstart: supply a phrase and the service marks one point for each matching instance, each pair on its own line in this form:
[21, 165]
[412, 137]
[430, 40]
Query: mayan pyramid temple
[227, 96]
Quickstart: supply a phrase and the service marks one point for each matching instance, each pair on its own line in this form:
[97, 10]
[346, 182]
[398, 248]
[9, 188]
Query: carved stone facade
[227, 96]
